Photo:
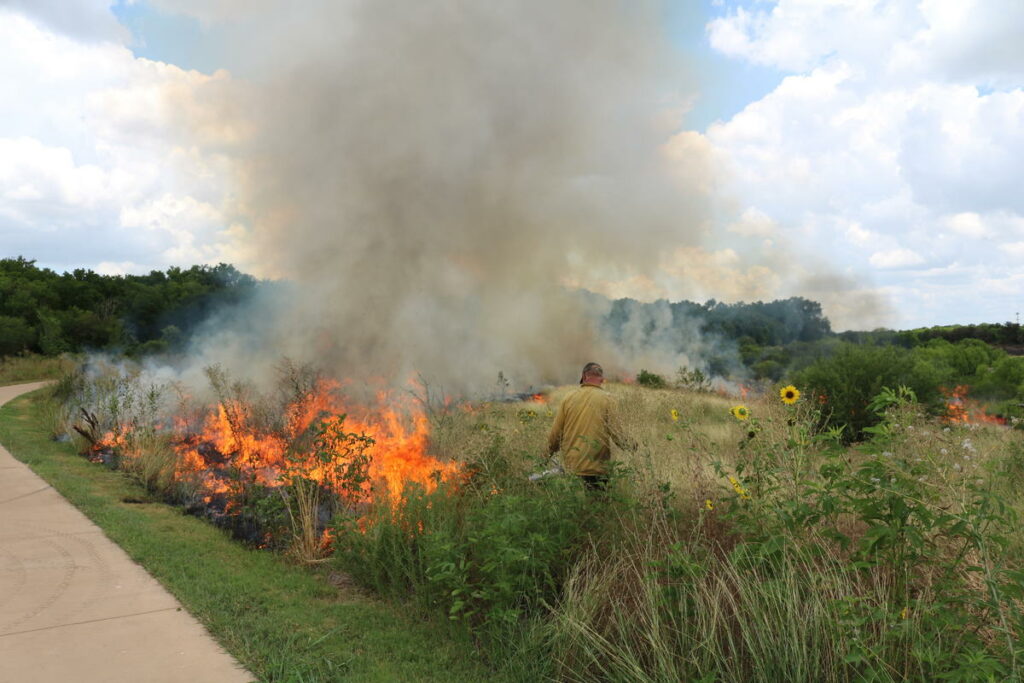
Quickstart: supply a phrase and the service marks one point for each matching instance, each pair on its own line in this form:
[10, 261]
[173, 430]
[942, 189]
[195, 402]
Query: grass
[728, 550]
[281, 621]
[678, 452]
[752, 588]
[31, 367]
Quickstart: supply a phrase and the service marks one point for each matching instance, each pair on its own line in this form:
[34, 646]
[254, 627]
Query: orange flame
[963, 410]
[230, 442]
[113, 440]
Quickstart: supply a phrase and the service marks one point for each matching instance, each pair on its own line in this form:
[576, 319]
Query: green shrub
[490, 559]
[651, 380]
[846, 382]
[692, 380]
[1004, 379]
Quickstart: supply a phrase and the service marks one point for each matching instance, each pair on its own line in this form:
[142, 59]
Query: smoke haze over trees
[46, 312]
[174, 311]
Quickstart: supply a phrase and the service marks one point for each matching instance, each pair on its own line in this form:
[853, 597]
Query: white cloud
[968, 224]
[754, 223]
[95, 143]
[31, 172]
[795, 35]
[88, 20]
[899, 124]
[858, 235]
[896, 258]
[973, 41]
[1014, 250]
[119, 268]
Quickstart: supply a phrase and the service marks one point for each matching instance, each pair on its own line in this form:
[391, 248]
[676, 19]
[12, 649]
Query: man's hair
[593, 370]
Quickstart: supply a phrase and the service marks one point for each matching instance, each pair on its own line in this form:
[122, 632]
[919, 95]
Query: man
[584, 426]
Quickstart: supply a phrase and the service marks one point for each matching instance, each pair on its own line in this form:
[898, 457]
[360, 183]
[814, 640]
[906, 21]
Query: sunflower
[708, 504]
[738, 488]
[790, 394]
[675, 415]
[740, 412]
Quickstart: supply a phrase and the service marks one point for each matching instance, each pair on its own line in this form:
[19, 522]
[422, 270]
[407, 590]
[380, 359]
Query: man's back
[582, 431]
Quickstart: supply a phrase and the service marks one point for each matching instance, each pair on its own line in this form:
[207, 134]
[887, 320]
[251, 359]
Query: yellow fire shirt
[583, 429]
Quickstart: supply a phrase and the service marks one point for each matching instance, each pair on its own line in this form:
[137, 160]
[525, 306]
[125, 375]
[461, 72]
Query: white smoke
[428, 180]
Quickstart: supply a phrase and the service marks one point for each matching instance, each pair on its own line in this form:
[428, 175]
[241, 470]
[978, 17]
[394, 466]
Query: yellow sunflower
[790, 394]
[738, 488]
[675, 415]
[740, 412]
[708, 504]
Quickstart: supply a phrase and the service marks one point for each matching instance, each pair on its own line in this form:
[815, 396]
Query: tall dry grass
[30, 367]
[678, 452]
[659, 595]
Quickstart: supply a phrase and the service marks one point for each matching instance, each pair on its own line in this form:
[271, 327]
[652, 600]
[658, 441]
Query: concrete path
[75, 608]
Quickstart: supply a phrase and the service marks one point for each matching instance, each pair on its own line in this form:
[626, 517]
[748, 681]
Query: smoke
[429, 180]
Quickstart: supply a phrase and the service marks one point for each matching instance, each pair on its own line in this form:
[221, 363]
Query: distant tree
[16, 335]
[85, 310]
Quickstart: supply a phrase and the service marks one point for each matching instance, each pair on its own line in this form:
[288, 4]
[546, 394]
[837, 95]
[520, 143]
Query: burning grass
[282, 621]
[745, 544]
[260, 464]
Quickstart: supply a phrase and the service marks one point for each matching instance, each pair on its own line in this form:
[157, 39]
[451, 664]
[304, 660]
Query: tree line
[49, 313]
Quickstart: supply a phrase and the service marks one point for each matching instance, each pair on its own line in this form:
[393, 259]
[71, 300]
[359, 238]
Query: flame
[111, 441]
[963, 410]
[230, 452]
[538, 398]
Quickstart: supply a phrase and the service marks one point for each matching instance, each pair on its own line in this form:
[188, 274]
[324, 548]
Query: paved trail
[75, 608]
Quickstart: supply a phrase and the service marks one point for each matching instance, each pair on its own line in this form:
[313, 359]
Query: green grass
[283, 622]
[31, 367]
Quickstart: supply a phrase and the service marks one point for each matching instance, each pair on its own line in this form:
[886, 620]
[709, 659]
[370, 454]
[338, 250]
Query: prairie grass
[762, 549]
[30, 367]
[728, 549]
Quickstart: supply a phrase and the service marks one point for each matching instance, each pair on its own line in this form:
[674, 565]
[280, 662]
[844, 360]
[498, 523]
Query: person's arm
[555, 435]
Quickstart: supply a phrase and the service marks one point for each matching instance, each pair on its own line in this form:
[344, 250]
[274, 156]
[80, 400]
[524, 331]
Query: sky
[866, 154]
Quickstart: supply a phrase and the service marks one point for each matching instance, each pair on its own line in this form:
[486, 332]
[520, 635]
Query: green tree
[16, 335]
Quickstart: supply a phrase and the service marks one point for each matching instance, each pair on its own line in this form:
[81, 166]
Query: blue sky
[725, 85]
[864, 154]
[168, 37]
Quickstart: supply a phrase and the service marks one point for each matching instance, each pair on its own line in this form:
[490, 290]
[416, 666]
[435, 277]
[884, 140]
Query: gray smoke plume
[427, 179]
